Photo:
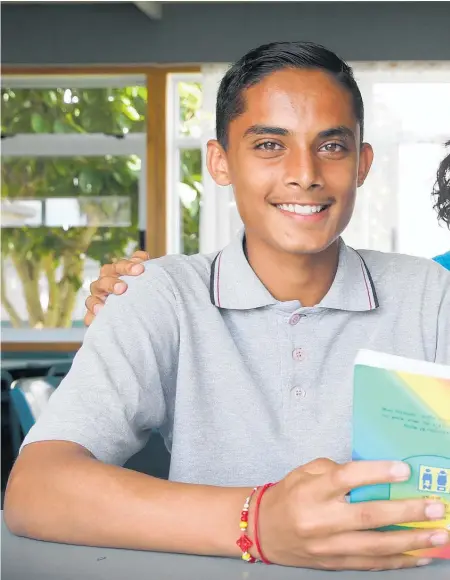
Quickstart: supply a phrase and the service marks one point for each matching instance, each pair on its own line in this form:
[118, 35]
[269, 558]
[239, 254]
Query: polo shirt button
[298, 393]
[297, 354]
[294, 319]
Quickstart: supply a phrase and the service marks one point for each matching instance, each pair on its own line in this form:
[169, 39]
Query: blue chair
[59, 369]
[12, 419]
[29, 398]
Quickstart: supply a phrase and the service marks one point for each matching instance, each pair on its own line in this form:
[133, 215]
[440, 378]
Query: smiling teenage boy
[243, 359]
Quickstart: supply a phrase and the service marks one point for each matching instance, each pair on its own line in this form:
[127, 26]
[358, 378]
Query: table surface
[18, 364]
[24, 559]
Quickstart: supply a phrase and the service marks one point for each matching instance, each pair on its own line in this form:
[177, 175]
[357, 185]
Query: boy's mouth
[302, 209]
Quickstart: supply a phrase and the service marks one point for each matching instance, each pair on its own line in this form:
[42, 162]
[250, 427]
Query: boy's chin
[307, 246]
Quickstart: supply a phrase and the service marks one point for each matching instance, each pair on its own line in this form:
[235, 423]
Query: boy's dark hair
[441, 190]
[264, 60]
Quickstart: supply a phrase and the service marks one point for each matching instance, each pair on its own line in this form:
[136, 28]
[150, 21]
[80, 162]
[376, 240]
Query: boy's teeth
[300, 209]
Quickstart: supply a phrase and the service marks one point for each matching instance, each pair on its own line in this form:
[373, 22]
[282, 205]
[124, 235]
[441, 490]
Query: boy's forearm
[56, 494]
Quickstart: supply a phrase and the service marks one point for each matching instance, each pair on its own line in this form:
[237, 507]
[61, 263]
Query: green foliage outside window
[58, 254]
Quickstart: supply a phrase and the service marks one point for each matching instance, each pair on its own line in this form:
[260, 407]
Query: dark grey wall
[95, 33]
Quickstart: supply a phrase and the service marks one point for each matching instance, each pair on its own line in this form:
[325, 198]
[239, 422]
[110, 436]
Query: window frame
[151, 147]
[175, 144]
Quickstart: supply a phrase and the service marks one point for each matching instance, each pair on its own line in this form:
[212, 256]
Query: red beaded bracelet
[256, 516]
[244, 541]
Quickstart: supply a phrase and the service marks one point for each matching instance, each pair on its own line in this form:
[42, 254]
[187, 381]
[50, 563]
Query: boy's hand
[306, 521]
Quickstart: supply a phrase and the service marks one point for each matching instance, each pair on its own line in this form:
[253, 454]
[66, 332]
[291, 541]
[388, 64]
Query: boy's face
[294, 151]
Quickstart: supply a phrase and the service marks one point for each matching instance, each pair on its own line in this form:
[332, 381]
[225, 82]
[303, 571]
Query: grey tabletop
[19, 364]
[24, 559]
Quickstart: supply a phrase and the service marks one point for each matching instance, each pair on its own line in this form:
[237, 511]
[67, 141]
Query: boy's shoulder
[401, 270]
[179, 271]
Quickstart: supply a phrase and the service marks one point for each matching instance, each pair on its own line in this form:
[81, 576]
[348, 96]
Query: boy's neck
[303, 277]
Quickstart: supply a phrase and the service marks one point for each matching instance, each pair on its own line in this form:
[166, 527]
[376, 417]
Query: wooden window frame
[156, 82]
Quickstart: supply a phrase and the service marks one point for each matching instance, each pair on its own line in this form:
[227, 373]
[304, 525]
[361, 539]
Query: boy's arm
[67, 484]
[59, 492]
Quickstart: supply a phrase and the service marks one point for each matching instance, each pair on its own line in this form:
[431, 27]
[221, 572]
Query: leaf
[130, 112]
[90, 181]
[39, 124]
[50, 98]
[60, 126]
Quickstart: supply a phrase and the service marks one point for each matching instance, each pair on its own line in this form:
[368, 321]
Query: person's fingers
[367, 563]
[128, 268]
[88, 319]
[140, 256]
[94, 304]
[102, 287]
[343, 478]
[377, 543]
[108, 270]
[377, 514]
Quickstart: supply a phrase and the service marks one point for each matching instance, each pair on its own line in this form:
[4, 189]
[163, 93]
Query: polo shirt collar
[353, 288]
[234, 285]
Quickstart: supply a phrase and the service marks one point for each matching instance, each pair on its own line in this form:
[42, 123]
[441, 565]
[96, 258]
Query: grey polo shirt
[243, 387]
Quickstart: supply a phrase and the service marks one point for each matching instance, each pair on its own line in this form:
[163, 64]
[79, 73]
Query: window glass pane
[190, 191]
[190, 100]
[415, 204]
[101, 211]
[65, 216]
[19, 213]
[74, 110]
[397, 106]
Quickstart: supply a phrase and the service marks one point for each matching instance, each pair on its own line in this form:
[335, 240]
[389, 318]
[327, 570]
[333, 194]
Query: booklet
[401, 412]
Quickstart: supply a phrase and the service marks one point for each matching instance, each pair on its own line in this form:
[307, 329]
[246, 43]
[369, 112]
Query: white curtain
[407, 120]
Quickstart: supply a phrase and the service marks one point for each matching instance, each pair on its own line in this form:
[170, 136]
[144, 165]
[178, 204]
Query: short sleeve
[115, 392]
[443, 331]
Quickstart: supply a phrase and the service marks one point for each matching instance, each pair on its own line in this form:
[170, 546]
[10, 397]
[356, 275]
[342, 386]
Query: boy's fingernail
[401, 471]
[97, 308]
[424, 561]
[119, 287]
[137, 269]
[435, 511]
[439, 539]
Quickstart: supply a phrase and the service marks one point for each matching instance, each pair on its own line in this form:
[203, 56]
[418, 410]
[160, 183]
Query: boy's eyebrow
[266, 130]
[340, 131]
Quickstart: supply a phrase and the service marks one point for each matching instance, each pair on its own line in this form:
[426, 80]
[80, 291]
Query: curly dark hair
[441, 190]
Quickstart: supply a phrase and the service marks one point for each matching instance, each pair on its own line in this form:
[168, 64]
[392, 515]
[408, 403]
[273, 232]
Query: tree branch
[51, 316]
[73, 272]
[28, 273]
[15, 319]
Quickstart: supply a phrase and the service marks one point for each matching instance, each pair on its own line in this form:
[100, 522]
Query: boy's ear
[216, 162]
[365, 162]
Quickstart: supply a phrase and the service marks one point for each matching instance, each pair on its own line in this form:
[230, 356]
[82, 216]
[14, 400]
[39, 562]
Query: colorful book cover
[401, 412]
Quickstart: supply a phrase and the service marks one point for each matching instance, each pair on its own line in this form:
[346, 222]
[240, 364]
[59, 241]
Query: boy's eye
[333, 147]
[268, 146]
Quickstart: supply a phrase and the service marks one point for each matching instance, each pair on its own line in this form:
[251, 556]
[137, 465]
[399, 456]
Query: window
[184, 163]
[407, 120]
[73, 192]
